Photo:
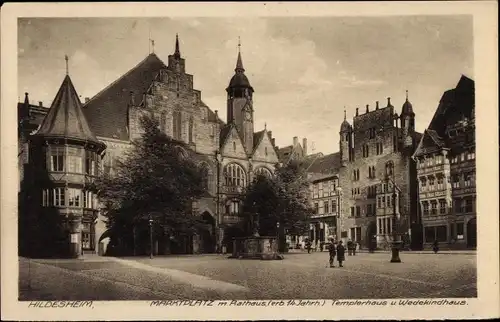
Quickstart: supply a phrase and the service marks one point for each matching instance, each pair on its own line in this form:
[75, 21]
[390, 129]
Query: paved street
[299, 275]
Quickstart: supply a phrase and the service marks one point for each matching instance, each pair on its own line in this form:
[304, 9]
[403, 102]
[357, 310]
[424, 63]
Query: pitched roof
[329, 163]
[65, 118]
[429, 142]
[106, 112]
[257, 138]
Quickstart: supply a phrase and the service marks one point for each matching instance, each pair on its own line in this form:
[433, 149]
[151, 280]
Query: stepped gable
[65, 118]
[107, 113]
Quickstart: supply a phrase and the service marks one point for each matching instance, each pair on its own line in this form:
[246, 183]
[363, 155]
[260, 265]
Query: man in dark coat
[308, 246]
[340, 253]
[332, 252]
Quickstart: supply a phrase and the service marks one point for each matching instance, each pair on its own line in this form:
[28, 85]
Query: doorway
[207, 234]
[472, 233]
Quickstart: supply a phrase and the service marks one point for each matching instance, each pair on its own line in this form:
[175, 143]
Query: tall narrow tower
[407, 123]
[345, 141]
[240, 104]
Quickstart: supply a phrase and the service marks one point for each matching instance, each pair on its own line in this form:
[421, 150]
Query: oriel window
[74, 198]
[59, 197]
[57, 159]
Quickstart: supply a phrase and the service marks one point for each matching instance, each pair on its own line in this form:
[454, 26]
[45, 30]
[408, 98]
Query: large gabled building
[230, 152]
[446, 167]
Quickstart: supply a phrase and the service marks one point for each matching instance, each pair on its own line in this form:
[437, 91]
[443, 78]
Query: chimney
[376, 105]
[367, 108]
[388, 101]
[304, 146]
[295, 141]
[26, 98]
[357, 111]
[40, 103]
[216, 115]
[87, 100]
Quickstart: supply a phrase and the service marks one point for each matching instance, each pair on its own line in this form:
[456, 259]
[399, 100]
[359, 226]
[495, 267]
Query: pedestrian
[435, 246]
[349, 247]
[308, 246]
[354, 245]
[332, 252]
[340, 253]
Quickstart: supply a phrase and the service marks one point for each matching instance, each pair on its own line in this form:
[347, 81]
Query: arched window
[191, 125]
[177, 125]
[234, 146]
[264, 172]
[235, 175]
[206, 176]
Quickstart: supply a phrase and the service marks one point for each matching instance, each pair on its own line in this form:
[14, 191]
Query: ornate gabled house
[231, 152]
[57, 205]
[446, 168]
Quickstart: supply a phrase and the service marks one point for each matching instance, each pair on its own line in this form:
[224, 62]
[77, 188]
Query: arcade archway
[472, 233]
[207, 234]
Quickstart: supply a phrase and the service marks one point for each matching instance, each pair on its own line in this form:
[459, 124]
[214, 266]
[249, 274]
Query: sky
[304, 70]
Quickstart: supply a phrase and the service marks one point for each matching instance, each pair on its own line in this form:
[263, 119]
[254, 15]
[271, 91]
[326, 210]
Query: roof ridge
[122, 77]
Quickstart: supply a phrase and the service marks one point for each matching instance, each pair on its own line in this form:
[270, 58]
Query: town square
[186, 160]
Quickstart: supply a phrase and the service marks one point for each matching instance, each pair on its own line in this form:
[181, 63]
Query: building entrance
[472, 233]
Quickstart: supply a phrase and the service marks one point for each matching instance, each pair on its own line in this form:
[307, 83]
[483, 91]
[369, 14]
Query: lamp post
[218, 158]
[339, 213]
[278, 235]
[150, 237]
[395, 235]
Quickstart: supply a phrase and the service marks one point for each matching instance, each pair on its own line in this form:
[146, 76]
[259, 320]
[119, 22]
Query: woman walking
[340, 253]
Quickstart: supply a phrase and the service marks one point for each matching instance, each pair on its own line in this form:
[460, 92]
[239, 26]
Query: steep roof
[429, 142]
[106, 112]
[257, 138]
[65, 118]
[329, 163]
[454, 104]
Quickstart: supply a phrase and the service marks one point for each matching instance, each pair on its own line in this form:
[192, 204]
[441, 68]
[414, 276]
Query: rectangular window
[440, 183]
[316, 208]
[430, 234]
[91, 163]
[334, 206]
[353, 234]
[327, 210]
[89, 200]
[379, 226]
[56, 159]
[467, 180]
[457, 205]
[235, 207]
[431, 183]
[74, 199]
[442, 206]
[352, 211]
[379, 203]
[388, 202]
[471, 155]
[454, 159]
[59, 198]
[469, 204]
[74, 164]
[456, 182]
[434, 207]
[425, 205]
[383, 202]
[46, 198]
[358, 211]
[369, 210]
[441, 233]
[358, 234]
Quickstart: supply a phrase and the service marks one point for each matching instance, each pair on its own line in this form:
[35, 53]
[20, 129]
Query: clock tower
[240, 104]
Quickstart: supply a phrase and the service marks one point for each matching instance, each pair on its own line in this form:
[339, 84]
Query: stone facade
[374, 161]
[446, 171]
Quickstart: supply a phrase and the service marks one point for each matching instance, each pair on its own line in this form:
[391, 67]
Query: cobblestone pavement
[299, 275]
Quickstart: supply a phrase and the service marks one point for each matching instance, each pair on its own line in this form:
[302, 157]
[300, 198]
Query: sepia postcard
[250, 161]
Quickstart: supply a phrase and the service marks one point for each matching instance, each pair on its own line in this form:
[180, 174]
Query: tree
[156, 180]
[281, 200]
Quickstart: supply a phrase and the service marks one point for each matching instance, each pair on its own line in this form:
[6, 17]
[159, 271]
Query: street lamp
[150, 237]
[395, 235]
[278, 235]
[339, 207]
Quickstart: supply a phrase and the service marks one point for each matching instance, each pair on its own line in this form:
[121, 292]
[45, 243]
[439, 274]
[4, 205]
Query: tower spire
[177, 50]
[407, 95]
[239, 61]
[345, 115]
[67, 68]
